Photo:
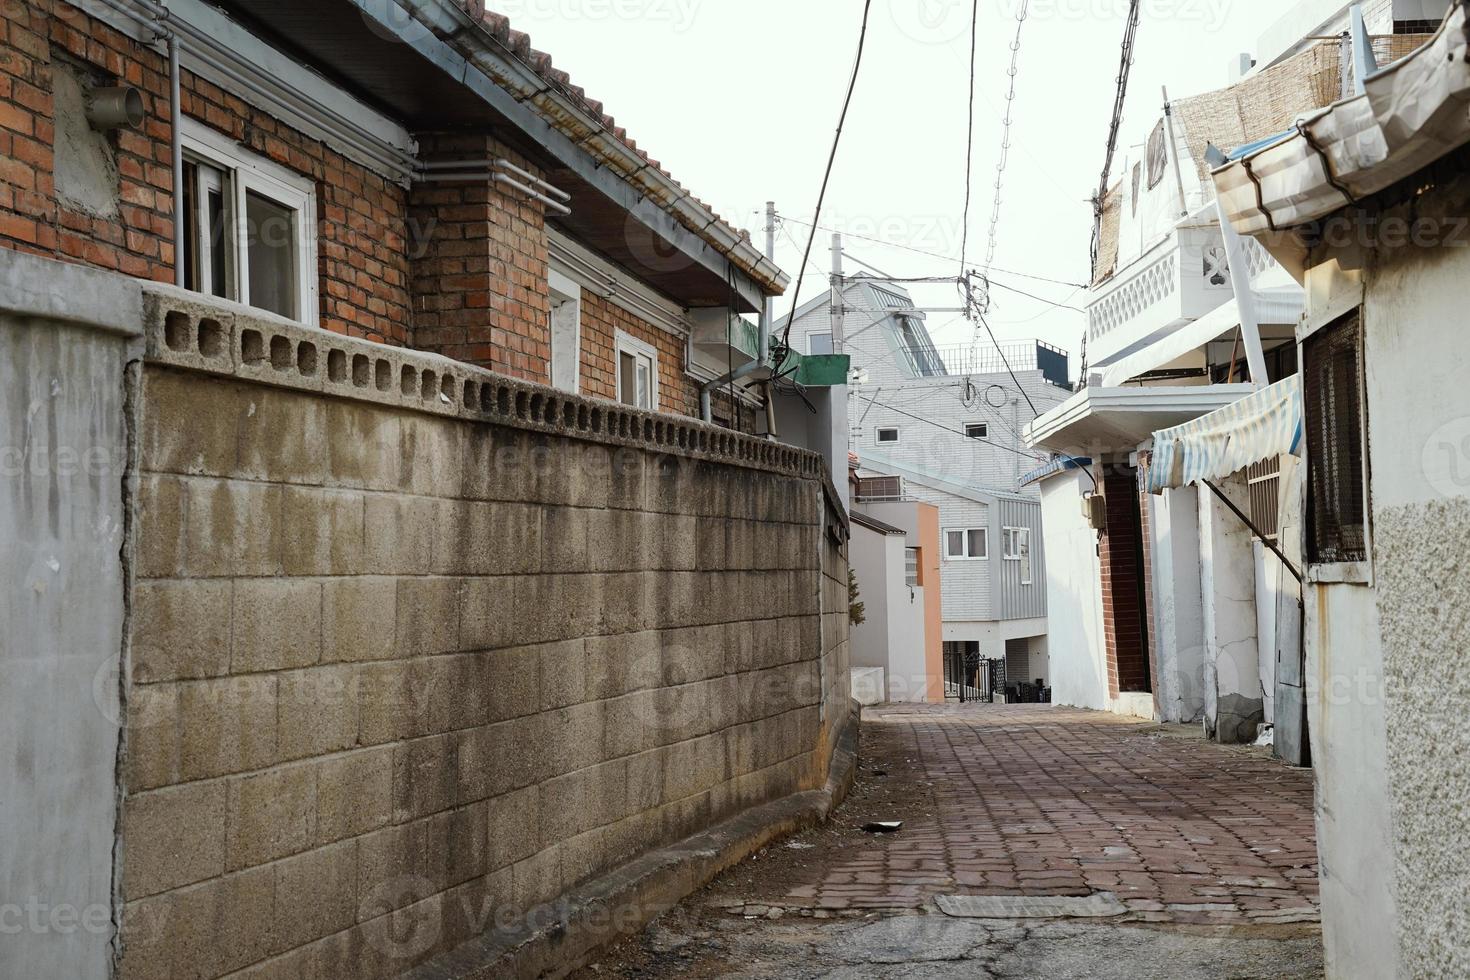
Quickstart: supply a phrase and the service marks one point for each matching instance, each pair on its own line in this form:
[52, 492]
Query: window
[1264, 479]
[911, 566]
[1158, 156]
[888, 435]
[976, 430]
[819, 343]
[249, 227]
[566, 332]
[1332, 406]
[880, 488]
[965, 543]
[1016, 546]
[637, 372]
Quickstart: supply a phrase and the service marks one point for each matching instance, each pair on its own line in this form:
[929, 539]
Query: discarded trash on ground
[883, 826]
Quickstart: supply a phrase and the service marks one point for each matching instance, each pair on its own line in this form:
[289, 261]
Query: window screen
[1333, 408]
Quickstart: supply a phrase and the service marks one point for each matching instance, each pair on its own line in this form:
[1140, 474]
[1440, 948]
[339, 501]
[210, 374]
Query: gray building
[942, 425]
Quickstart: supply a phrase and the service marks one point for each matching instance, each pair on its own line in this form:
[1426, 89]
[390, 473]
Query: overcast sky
[739, 100]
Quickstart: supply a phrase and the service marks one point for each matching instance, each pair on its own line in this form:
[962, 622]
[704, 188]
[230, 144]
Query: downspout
[176, 121]
[768, 320]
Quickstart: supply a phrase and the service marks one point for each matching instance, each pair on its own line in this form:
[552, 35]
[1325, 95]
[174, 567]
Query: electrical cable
[959, 432]
[970, 135]
[929, 252]
[1130, 33]
[826, 177]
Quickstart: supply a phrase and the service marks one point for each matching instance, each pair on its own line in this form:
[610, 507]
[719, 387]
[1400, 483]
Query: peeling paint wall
[1418, 409]
[1233, 699]
[1077, 666]
[1178, 615]
[63, 450]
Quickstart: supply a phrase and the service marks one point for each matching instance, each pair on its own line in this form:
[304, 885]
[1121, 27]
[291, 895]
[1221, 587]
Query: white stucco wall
[1228, 592]
[1178, 614]
[1418, 408]
[63, 443]
[1075, 652]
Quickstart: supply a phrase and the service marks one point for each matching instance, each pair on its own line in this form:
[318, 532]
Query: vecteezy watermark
[678, 14]
[1446, 458]
[946, 21]
[408, 925]
[39, 917]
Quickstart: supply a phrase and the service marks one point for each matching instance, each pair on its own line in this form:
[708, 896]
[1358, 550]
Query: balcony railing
[1020, 355]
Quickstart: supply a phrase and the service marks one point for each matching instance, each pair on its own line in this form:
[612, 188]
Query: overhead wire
[1125, 67]
[930, 253]
[970, 134]
[826, 177]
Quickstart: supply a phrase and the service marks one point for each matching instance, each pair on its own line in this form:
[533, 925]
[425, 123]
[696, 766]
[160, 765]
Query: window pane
[627, 378]
[819, 343]
[645, 383]
[977, 542]
[954, 545]
[911, 565]
[976, 430]
[270, 230]
[887, 435]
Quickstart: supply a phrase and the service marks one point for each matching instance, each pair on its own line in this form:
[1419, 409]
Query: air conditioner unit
[1095, 511]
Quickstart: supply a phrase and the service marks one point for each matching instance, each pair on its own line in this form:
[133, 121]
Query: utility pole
[837, 299]
[768, 324]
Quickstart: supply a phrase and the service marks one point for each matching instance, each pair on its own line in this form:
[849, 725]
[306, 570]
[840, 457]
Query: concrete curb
[571, 931]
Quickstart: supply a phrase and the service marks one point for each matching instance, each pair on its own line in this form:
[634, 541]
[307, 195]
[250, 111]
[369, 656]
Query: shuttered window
[1333, 414]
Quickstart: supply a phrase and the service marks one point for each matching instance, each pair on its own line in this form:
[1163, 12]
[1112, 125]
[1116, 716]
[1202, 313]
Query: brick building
[415, 174]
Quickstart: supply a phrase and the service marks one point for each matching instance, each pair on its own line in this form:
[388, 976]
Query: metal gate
[967, 677]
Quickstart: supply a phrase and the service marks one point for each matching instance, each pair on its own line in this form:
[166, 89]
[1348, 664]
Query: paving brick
[1041, 800]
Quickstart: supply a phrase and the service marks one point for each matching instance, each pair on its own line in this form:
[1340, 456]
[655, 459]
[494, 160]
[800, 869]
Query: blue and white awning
[1263, 424]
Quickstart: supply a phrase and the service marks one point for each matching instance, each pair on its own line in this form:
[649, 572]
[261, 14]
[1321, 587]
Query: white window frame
[818, 333]
[878, 435]
[966, 531]
[252, 172]
[566, 332]
[626, 343]
[984, 428]
[911, 566]
[1016, 546]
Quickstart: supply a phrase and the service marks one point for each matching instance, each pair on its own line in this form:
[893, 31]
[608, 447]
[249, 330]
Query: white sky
[739, 100]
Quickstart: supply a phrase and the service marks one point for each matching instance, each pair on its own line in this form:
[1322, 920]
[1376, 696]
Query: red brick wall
[1122, 618]
[362, 258]
[1145, 524]
[677, 391]
[480, 270]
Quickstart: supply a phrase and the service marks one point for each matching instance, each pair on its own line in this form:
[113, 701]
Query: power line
[932, 254]
[958, 432]
[827, 176]
[1124, 68]
[1005, 133]
[970, 136]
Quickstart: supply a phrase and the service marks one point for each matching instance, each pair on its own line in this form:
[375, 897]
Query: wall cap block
[202, 333]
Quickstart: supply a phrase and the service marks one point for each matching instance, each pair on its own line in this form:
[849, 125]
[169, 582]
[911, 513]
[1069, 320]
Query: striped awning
[1261, 425]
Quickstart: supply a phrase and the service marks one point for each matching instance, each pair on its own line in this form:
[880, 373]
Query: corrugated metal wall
[1010, 599]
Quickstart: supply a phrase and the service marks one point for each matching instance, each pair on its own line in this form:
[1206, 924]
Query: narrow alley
[1208, 849]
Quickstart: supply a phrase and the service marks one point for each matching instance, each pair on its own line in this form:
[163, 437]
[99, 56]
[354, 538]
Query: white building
[1368, 203]
[943, 426]
[1177, 604]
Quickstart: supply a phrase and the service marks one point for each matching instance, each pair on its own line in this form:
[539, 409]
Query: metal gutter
[1408, 115]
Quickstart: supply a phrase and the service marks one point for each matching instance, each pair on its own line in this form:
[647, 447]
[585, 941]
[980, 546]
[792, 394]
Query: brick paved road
[1210, 848]
[1035, 800]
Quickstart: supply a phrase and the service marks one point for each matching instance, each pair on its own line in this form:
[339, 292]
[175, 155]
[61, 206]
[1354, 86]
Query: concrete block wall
[415, 647]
